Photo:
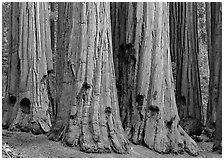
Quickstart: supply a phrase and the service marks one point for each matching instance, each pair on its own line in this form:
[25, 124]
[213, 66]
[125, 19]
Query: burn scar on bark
[50, 71]
[170, 122]
[139, 100]
[86, 86]
[12, 100]
[108, 110]
[183, 100]
[153, 108]
[127, 53]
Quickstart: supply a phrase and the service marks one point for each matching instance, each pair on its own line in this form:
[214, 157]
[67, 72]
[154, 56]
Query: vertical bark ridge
[214, 108]
[31, 107]
[64, 75]
[94, 125]
[9, 108]
[213, 19]
[154, 120]
[185, 46]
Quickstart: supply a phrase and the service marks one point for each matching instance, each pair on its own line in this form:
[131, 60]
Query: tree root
[190, 146]
[168, 137]
[91, 143]
[57, 131]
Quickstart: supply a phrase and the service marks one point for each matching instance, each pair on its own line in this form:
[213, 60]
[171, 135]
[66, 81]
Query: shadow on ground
[38, 146]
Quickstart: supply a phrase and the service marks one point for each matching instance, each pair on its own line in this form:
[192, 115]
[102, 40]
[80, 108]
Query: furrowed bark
[144, 77]
[94, 123]
[64, 76]
[9, 109]
[213, 19]
[185, 47]
[31, 109]
[214, 108]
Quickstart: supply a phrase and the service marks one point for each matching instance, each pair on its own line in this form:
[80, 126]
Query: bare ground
[38, 146]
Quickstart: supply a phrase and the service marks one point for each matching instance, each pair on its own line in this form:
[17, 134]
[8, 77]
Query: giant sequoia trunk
[184, 48]
[52, 25]
[27, 102]
[214, 31]
[8, 110]
[144, 77]
[87, 105]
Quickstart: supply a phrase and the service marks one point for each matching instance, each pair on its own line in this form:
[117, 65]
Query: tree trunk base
[192, 126]
[162, 137]
[57, 131]
[189, 145]
[217, 146]
[91, 143]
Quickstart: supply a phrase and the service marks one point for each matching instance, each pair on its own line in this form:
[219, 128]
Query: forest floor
[27, 145]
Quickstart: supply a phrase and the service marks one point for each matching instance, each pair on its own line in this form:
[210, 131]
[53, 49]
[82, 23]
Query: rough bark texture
[64, 77]
[8, 105]
[30, 62]
[52, 25]
[214, 31]
[51, 77]
[184, 47]
[87, 105]
[144, 77]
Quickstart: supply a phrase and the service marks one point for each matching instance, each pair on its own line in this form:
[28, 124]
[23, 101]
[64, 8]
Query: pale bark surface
[144, 77]
[30, 62]
[86, 89]
[214, 109]
[184, 47]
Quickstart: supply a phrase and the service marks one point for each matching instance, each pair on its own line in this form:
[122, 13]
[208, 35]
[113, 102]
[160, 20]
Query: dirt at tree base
[38, 146]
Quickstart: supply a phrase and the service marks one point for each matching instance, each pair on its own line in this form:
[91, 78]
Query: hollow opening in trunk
[25, 105]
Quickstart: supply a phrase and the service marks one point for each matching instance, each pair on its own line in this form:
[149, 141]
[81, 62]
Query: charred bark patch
[127, 53]
[86, 86]
[169, 124]
[153, 108]
[140, 99]
[12, 100]
[50, 72]
[7, 109]
[108, 110]
[183, 100]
